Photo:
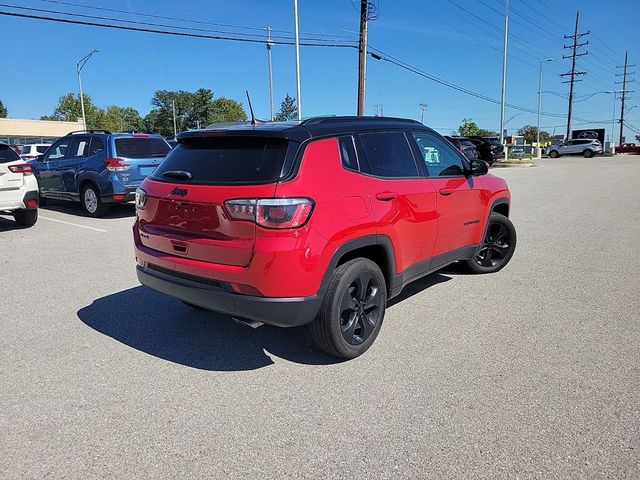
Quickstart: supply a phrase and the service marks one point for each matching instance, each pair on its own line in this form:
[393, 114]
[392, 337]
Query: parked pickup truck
[628, 148]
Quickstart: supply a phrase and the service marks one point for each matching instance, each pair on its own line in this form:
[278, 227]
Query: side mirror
[40, 158]
[479, 167]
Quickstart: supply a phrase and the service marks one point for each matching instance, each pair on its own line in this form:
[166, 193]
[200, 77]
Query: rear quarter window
[226, 160]
[141, 147]
[7, 154]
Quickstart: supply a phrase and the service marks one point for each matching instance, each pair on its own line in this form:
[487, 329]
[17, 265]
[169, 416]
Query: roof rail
[97, 130]
[345, 119]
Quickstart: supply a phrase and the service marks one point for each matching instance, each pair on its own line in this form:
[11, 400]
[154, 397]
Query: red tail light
[115, 165]
[23, 168]
[272, 212]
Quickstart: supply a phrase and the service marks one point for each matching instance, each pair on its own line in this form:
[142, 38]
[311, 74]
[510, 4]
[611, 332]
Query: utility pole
[574, 46]
[504, 69]
[362, 56]
[423, 108]
[297, 43]
[624, 92]
[269, 45]
[538, 150]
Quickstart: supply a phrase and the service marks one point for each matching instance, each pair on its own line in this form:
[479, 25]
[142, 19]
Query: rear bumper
[281, 312]
[129, 195]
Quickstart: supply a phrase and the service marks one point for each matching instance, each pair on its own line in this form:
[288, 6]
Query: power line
[166, 32]
[201, 22]
[136, 22]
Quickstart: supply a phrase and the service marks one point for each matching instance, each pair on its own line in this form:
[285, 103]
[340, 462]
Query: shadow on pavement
[120, 210]
[418, 286]
[7, 223]
[165, 328]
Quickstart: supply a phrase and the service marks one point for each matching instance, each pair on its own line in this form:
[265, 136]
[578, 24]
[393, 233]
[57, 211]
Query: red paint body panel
[422, 217]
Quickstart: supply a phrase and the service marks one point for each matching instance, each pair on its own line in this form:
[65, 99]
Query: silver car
[585, 147]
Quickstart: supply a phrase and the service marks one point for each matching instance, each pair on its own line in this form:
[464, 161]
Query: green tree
[70, 110]
[288, 109]
[530, 134]
[119, 119]
[470, 128]
[193, 109]
[226, 110]
[3, 110]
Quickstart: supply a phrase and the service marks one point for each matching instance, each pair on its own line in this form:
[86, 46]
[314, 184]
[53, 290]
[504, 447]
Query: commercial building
[15, 131]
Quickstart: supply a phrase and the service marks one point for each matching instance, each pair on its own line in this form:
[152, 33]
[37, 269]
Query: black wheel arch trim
[356, 244]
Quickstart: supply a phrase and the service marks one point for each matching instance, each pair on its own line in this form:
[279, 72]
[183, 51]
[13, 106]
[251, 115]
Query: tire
[352, 309]
[500, 239]
[26, 218]
[587, 153]
[554, 154]
[91, 202]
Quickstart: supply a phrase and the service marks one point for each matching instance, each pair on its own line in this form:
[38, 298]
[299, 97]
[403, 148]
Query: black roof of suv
[303, 130]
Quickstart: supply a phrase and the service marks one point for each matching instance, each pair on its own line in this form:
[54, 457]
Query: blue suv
[97, 168]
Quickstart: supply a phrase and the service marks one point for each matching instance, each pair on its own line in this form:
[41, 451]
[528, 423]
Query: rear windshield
[467, 143]
[7, 154]
[229, 160]
[141, 147]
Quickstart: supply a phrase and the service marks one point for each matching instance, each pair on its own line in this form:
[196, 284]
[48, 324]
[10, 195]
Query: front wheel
[26, 218]
[497, 247]
[553, 154]
[91, 202]
[352, 310]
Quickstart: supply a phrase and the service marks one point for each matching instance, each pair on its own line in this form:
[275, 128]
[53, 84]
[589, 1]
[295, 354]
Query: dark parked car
[484, 147]
[465, 146]
[496, 148]
[97, 167]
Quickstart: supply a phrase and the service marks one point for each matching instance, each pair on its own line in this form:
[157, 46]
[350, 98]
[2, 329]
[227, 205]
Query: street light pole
[613, 124]
[538, 150]
[79, 66]
[297, 42]
[504, 69]
[269, 45]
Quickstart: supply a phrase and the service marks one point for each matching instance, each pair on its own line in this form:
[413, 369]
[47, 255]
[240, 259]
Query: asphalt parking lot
[533, 372]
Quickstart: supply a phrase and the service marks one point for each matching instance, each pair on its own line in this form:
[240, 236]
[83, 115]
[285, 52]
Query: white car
[30, 152]
[18, 188]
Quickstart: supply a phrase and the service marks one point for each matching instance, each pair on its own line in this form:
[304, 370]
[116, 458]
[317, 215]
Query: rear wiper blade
[178, 174]
[158, 155]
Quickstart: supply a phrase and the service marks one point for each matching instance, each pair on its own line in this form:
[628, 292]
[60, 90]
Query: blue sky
[456, 40]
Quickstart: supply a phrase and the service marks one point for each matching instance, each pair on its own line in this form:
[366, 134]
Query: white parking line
[71, 223]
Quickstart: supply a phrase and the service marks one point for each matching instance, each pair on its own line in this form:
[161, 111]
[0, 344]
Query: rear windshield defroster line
[226, 160]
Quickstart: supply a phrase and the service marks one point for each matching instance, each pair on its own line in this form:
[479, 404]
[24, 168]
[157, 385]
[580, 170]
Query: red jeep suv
[320, 221]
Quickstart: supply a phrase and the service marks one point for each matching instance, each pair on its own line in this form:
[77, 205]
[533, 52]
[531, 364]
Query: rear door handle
[446, 191]
[386, 196]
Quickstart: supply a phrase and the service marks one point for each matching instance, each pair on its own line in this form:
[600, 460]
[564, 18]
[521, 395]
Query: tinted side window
[58, 151]
[26, 150]
[42, 148]
[389, 154]
[97, 146]
[439, 158]
[348, 153]
[78, 148]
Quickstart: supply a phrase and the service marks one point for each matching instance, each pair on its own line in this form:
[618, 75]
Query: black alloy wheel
[497, 247]
[360, 309]
[352, 309]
